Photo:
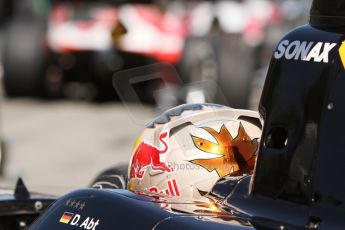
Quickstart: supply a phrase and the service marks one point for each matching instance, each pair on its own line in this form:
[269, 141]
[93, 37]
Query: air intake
[327, 13]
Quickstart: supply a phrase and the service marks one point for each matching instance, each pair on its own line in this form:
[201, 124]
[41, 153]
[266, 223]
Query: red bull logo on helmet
[148, 155]
[171, 190]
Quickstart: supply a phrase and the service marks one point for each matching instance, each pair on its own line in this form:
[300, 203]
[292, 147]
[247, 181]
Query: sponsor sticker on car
[304, 51]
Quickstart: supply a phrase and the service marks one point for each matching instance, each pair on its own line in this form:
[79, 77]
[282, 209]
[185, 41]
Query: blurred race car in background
[77, 50]
[73, 48]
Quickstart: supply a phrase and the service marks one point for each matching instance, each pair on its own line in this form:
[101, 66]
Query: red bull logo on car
[148, 155]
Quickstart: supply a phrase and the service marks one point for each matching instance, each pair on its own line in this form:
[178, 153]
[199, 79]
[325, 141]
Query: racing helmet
[188, 148]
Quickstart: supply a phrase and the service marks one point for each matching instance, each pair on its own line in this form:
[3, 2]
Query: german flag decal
[66, 217]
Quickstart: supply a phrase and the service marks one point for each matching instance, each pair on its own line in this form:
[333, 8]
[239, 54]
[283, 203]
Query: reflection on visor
[235, 153]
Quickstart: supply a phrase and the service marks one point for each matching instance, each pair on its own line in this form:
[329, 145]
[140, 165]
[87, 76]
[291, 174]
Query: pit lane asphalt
[58, 146]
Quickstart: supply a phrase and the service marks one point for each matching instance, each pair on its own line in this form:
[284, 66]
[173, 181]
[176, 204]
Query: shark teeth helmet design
[188, 148]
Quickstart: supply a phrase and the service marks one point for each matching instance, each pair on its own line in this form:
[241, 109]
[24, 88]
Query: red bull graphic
[148, 155]
[172, 189]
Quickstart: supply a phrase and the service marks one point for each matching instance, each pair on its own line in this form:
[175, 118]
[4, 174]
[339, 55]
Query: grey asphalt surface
[57, 146]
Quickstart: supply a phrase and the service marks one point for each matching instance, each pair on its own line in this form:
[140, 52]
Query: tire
[199, 69]
[113, 178]
[235, 60]
[24, 58]
[6, 11]
[3, 156]
[228, 64]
